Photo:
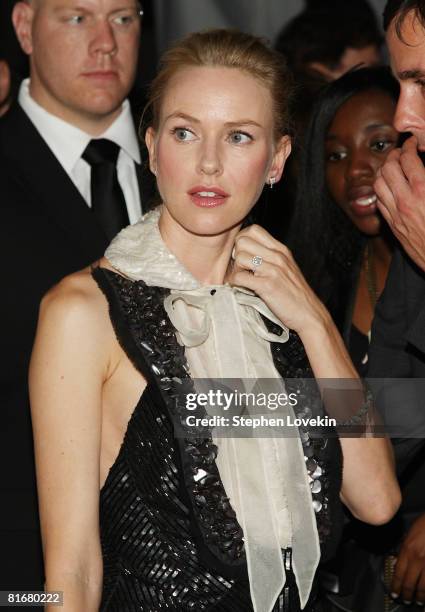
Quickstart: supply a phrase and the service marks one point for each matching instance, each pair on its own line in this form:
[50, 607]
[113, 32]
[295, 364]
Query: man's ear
[283, 150]
[22, 17]
[151, 146]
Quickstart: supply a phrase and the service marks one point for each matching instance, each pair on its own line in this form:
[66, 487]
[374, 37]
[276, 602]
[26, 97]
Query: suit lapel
[37, 167]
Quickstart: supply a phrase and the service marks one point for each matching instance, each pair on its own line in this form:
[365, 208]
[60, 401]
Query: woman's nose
[210, 161]
[360, 165]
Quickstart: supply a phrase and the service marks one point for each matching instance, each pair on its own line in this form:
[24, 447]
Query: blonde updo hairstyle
[227, 49]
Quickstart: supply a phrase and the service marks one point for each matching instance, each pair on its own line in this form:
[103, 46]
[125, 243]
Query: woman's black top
[171, 540]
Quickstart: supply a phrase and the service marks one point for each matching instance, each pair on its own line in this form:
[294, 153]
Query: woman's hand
[277, 280]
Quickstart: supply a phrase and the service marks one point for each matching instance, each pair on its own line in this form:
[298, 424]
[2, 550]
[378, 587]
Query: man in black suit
[398, 333]
[69, 176]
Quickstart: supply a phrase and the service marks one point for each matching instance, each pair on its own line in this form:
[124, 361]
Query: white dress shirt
[68, 143]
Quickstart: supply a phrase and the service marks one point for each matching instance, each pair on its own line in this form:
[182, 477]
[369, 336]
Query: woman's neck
[382, 250]
[207, 258]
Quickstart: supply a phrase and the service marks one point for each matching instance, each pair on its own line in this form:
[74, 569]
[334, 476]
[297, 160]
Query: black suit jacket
[47, 232]
[398, 351]
[398, 330]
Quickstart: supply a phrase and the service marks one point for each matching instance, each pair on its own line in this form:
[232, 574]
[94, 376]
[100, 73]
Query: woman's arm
[69, 364]
[369, 487]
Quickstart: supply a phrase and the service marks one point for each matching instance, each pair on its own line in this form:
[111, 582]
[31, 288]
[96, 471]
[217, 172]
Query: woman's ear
[151, 146]
[283, 150]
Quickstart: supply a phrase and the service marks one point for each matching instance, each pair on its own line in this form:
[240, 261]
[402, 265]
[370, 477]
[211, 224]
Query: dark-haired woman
[344, 247]
[338, 235]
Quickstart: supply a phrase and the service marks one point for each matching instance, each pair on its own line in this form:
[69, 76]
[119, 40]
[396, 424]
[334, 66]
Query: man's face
[408, 65]
[83, 55]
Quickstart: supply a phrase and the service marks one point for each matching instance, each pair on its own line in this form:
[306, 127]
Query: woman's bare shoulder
[76, 300]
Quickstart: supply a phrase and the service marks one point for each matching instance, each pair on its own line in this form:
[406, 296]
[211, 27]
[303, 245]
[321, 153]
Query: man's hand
[409, 576]
[400, 187]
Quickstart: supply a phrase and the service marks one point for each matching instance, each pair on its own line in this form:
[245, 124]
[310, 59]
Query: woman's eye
[382, 145]
[334, 156]
[183, 134]
[240, 137]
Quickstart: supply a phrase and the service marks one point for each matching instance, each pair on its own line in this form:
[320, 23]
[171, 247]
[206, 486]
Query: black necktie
[107, 198]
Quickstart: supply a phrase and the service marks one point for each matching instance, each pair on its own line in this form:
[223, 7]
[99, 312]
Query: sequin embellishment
[153, 557]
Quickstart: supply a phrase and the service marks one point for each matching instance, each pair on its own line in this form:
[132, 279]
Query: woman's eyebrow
[374, 126]
[179, 115]
[242, 122]
[186, 117]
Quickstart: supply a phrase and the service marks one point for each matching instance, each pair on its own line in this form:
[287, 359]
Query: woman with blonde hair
[141, 510]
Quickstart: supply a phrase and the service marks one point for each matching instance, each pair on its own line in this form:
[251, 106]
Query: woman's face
[358, 141]
[214, 148]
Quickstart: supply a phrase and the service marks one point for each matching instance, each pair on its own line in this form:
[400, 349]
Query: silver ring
[257, 260]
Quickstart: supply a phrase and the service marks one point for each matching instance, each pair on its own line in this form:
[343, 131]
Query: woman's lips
[364, 205]
[208, 198]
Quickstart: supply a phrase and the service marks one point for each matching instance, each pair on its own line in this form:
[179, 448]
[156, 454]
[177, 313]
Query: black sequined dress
[171, 541]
